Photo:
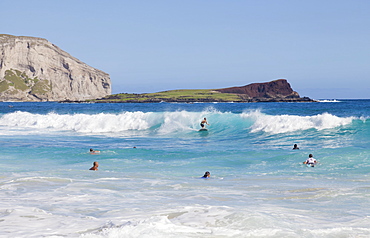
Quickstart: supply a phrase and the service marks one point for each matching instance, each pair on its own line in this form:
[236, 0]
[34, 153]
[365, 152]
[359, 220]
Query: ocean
[152, 158]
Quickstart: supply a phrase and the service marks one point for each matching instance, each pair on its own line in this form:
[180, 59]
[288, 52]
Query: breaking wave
[172, 122]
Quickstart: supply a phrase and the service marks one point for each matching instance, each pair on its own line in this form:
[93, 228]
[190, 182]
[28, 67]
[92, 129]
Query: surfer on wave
[204, 121]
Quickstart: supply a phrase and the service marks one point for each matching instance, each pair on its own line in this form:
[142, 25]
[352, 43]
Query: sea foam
[290, 123]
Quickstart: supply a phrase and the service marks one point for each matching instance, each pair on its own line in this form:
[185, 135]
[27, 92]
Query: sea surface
[152, 158]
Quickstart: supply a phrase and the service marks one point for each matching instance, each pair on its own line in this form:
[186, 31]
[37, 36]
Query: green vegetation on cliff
[17, 80]
[4, 86]
[41, 87]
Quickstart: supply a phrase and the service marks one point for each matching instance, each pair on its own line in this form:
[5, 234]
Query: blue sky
[320, 47]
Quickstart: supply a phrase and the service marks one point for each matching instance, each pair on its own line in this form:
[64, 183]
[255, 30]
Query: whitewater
[152, 157]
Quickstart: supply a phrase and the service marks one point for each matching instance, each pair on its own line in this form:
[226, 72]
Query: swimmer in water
[295, 147]
[206, 175]
[94, 152]
[95, 166]
[310, 161]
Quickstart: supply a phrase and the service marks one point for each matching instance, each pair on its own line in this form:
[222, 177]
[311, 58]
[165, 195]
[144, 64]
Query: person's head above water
[295, 147]
[310, 156]
[94, 152]
[207, 175]
[95, 166]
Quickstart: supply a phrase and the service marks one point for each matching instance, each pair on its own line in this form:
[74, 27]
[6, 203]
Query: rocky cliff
[277, 89]
[33, 69]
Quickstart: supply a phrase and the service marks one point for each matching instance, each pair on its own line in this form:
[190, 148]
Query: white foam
[329, 100]
[290, 123]
[96, 123]
[178, 121]
[161, 122]
[208, 221]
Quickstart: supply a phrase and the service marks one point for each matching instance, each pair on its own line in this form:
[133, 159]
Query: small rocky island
[274, 91]
[33, 69]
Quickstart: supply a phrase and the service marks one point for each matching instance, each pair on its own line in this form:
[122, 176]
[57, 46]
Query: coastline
[190, 101]
[189, 97]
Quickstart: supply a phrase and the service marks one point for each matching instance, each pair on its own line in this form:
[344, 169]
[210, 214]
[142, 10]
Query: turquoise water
[151, 160]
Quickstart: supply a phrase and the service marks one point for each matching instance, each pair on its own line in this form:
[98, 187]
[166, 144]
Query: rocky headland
[33, 69]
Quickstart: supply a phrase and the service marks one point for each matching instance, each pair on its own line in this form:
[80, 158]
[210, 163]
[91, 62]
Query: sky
[322, 47]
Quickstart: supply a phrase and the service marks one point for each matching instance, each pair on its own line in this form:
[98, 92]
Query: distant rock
[278, 90]
[33, 69]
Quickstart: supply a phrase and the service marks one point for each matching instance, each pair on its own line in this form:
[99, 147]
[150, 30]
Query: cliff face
[33, 69]
[275, 89]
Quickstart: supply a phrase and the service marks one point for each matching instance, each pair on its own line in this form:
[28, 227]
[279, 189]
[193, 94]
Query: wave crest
[290, 123]
[81, 122]
[172, 122]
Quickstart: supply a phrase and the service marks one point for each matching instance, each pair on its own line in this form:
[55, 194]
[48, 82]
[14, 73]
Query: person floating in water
[95, 166]
[310, 161]
[295, 147]
[204, 121]
[94, 152]
[206, 175]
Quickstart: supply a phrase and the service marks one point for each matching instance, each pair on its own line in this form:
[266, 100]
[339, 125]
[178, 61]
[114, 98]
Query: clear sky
[322, 47]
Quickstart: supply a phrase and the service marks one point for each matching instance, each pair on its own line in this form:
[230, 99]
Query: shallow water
[258, 186]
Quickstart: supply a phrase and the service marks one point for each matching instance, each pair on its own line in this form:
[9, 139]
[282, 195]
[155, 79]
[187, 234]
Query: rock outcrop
[277, 90]
[33, 69]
